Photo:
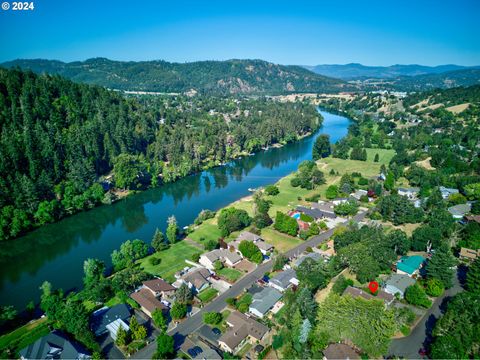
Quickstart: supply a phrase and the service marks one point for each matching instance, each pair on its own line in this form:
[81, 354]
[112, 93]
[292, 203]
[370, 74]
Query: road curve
[194, 322]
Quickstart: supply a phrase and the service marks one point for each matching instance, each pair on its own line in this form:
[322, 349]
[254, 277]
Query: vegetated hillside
[446, 98]
[451, 79]
[355, 71]
[214, 77]
[58, 138]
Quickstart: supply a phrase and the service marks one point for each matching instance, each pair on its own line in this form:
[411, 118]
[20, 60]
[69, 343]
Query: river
[56, 252]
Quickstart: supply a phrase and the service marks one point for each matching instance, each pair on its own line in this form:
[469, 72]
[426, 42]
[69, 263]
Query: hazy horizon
[307, 32]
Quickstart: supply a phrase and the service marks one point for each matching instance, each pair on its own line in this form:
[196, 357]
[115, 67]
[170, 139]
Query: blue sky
[370, 32]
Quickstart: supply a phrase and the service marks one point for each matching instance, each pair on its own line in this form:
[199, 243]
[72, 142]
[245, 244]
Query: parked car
[216, 331]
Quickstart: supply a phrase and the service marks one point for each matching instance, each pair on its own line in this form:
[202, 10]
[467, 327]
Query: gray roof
[223, 254]
[264, 300]
[55, 345]
[101, 318]
[206, 333]
[460, 210]
[314, 256]
[400, 281]
[327, 207]
[314, 213]
[249, 236]
[410, 190]
[283, 278]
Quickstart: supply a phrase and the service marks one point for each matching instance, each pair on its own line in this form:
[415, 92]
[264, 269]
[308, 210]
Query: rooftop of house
[249, 236]
[197, 277]
[314, 213]
[283, 278]
[158, 285]
[314, 256]
[264, 300]
[102, 317]
[242, 326]
[469, 253]
[410, 264]
[325, 206]
[400, 281]
[409, 190]
[55, 345]
[340, 351]
[460, 210]
[147, 300]
[475, 218]
[222, 255]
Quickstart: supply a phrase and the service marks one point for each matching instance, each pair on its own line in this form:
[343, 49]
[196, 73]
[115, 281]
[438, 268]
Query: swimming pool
[296, 216]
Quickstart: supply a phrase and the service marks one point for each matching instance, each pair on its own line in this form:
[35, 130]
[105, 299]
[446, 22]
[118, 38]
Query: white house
[227, 257]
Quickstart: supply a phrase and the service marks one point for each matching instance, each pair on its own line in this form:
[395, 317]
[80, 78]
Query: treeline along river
[56, 252]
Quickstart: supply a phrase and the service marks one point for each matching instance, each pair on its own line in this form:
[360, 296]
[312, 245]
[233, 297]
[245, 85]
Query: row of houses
[231, 256]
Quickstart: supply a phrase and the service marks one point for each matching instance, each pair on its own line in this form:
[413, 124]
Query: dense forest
[213, 77]
[60, 142]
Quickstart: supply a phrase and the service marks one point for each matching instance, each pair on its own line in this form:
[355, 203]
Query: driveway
[421, 336]
[218, 304]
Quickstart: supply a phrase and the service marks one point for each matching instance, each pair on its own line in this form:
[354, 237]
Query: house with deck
[264, 300]
[398, 283]
[227, 257]
[381, 295]
[410, 265]
[284, 280]
[55, 345]
[262, 245]
[409, 193]
[109, 319]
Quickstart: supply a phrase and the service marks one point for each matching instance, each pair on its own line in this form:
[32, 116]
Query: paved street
[408, 347]
[193, 323]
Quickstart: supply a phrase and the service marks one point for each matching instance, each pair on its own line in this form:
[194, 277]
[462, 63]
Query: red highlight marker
[373, 286]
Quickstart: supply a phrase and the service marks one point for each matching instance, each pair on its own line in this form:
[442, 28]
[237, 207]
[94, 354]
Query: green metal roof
[410, 264]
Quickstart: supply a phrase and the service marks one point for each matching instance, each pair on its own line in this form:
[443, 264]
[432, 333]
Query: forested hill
[450, 79]
[57, 138]
[214, 77]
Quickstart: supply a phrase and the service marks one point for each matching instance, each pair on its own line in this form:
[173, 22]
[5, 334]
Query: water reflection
[56, 252]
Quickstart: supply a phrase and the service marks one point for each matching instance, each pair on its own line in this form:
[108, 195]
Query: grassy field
[207, 294]
[173, 259]
[281, 241]
[24, 335]
[208, 230]
[231, 275]
[384, 155]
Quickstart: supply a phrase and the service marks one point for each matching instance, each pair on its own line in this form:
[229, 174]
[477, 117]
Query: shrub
[286, 224]
[434, 287]
[271, 190]
[231, 219]
[211, 245]
[415, 295]
[204, 215]
[362, 181]
[306, 218]
[196, 257]
[341, 284]
[212, 318]
[313, 198]
[405, 330]
[178, 311]
[322, 225]
[154, 260]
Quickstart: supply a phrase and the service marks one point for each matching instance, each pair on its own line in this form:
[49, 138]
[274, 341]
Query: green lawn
[384, 155]
[230, 274]
[208, 230]
[208, 294]
[282, 242]
[173, 259]
[24, 335]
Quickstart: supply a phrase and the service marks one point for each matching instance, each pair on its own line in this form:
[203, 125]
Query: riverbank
[287, 199]
[51, 252]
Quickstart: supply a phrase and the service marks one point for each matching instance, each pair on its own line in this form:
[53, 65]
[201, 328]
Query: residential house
[468, 254]
[473, 218]
[314, 256]
[314, 213]
[410, 265]
[283, 280]
[263, 246]
[55, 345]
[381, 295]
[410, 193]
[398, 283]
[241, 329]
[327, 209]
[207, 334]
[459, 211]
[114, 326]
[339, 201]
[160, 288]
[446, 192]
[198, 349]
[264, 301]
[225, 256]
[197, 279]
[358, 194]
[148, 302]
[340, 351]
[101, 318]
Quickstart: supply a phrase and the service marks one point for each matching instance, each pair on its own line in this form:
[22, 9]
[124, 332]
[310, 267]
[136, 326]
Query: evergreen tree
[321, 147]
[473, 277]
[440, 266]
[172, 229]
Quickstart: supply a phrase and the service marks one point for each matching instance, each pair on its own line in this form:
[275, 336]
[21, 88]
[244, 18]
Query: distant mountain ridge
[354, 71]
[216, 77]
